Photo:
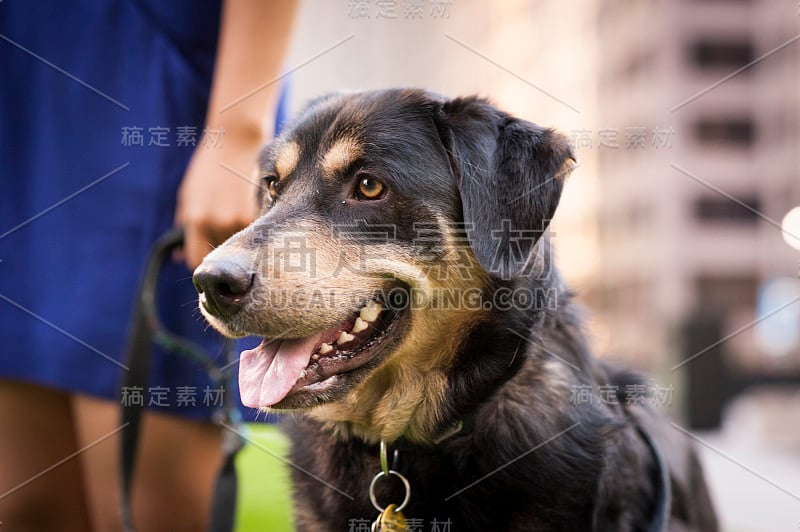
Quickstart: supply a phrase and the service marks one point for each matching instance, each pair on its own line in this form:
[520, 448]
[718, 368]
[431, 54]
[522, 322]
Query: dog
[400, 274]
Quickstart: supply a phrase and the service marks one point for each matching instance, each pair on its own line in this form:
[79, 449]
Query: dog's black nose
[222, 286]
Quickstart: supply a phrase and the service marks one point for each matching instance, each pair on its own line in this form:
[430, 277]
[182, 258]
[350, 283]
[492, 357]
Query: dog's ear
[510, 175]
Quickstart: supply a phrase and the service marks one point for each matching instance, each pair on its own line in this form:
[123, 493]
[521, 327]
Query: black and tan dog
[400, 276]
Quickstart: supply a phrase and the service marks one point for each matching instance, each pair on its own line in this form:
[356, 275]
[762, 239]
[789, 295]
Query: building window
[727, 292]
[721, 54]
[717, 209]
[738, 132]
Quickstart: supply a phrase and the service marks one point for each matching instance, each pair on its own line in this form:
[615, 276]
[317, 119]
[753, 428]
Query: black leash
[147, 329]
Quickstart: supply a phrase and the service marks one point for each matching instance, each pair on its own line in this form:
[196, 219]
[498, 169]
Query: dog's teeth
[370, 312]
[325, 348]
[315, 356]
[359, 325]
[344, 338]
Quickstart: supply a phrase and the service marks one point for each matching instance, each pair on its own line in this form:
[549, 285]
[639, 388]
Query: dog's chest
[448, 492]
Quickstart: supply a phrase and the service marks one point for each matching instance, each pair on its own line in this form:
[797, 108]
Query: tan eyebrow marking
[287, 159]
[340, 156]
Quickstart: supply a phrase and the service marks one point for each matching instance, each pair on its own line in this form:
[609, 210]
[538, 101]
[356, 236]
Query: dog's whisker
[193, 303]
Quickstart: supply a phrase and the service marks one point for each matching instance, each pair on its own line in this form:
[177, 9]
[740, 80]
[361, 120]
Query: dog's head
[386, 217]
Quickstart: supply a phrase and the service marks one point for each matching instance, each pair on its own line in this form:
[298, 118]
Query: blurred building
[704, 160]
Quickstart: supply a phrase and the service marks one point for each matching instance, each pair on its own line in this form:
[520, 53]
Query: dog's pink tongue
[268, 372]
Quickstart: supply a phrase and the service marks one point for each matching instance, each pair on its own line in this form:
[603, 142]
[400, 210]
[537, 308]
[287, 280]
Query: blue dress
[101, 104]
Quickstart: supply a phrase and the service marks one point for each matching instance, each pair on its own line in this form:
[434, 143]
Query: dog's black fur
[528, 457]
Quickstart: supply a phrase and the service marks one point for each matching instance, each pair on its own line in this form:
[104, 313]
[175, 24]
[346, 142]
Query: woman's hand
[217, 196]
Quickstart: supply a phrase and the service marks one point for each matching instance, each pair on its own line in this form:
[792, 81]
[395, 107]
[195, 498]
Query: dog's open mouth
[279, 367]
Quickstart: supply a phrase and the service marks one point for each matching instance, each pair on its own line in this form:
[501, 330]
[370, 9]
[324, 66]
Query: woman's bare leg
[176, 465]
[40, 468]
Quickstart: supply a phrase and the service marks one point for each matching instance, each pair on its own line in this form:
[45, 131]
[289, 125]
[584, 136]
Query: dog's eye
[370, 188]
[271, 184]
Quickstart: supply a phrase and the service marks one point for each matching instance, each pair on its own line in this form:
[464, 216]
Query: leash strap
[138, 358]
[223, 505]
[146, 328]
[138, 361]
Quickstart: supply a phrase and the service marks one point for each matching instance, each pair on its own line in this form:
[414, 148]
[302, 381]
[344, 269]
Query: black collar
[458, 427]
[466, 424]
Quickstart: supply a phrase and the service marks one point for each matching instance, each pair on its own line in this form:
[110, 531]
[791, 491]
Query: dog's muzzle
[223, 286]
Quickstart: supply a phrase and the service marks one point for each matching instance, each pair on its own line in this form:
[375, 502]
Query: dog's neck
[408, 396]
[436, 381]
